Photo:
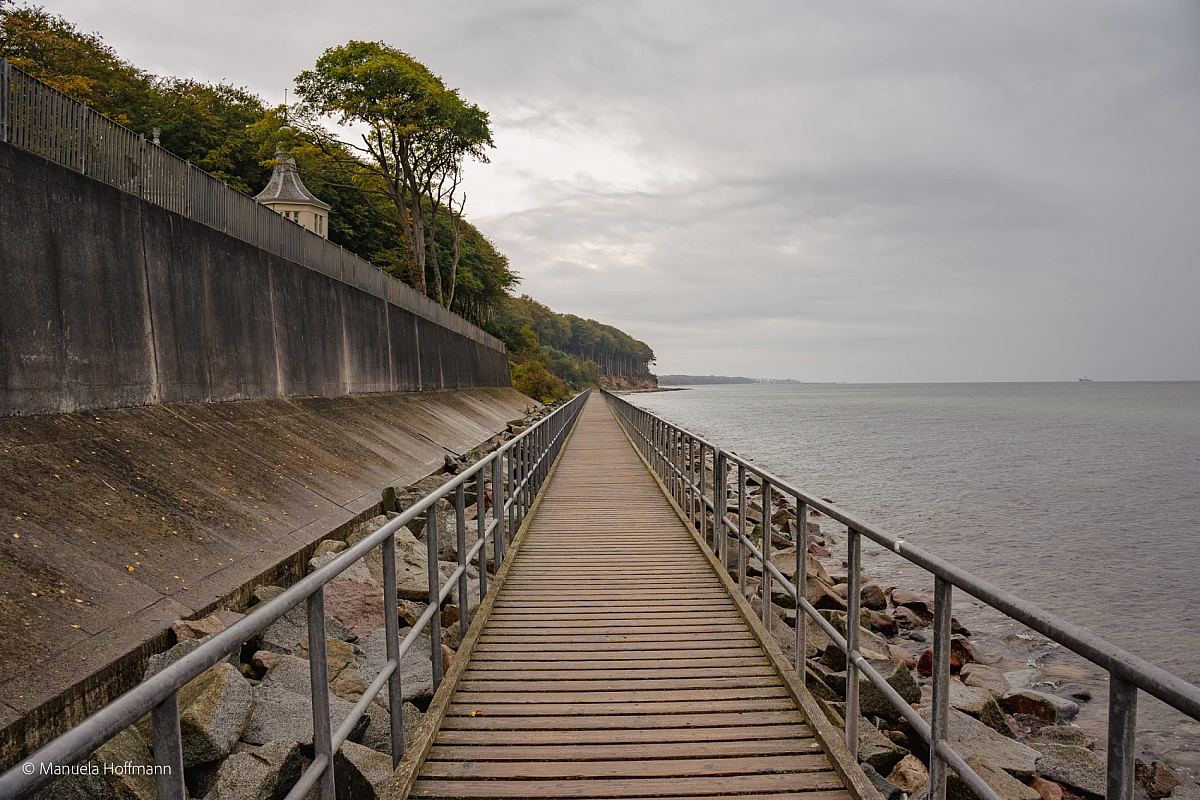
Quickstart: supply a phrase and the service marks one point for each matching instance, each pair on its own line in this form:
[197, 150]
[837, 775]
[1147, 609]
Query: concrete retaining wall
[108, 301]
[204, 501]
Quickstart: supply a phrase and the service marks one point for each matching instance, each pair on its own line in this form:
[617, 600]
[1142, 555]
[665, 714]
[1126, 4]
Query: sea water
[1083, 498]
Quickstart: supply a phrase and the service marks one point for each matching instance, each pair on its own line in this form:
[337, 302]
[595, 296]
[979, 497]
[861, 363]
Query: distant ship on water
[1085, 379]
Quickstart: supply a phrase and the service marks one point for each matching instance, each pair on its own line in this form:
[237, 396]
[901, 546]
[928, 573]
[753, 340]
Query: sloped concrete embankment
[116, 523]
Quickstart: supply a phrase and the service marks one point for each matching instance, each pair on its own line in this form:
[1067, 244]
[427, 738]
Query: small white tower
[286, 194]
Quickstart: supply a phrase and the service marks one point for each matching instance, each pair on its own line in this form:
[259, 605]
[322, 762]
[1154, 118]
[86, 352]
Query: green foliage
[231, 133]
[533, 379]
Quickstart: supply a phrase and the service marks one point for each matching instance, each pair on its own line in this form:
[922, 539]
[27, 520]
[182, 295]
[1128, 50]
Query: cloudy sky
[865, 191]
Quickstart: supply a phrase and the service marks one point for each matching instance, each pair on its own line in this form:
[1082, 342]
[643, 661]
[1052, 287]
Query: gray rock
[985, 677]
[899, 677]
[980, 704]
[416, 671]
[876, 749]
[1043, 707]
[260, 773]
[214, 708]
[294, 674]
[358, 570]
[1065, 734]
[1003, 784]
[378, 735]
[362, 773]
[285, 634]
[889, 790]
[160, 661]
[970, 737]
[280, 715]
[1187, 790]
[126, 746]
[1073, 766]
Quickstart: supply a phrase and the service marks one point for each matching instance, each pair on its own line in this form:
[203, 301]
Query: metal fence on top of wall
[36, 117]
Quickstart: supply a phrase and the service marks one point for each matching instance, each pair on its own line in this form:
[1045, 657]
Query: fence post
[853, 606]
[4, 99]
[939, 722]
[81, 139]
[1122, 731]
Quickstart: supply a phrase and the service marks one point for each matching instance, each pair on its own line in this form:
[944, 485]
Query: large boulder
[160, 661]
[294, 674]
[362, 773]
[1072, 766]
[214, 708]
[970, 737]
[909, 774]
[876, 749]
[416, 671]
[378, 735]
[984, 677]
[280, 714]
[286, 634]
[1002, 783]
[1045, 708]
[897, 675]
[259, 773]
[214, 623]
[127, 747]
[980, 704]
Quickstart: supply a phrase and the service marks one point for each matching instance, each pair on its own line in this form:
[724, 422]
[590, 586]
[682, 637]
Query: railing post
[718, 495]
[168, 749]
[81, 138]
[318, 673]
[1122, 729]
[853, 604]
[481, 529]
[510, 481]
[460, 519]
[766, 553]
[4, 99]
[742, 528]
[939, 726]
[391, 627]
[497, 509]
[435, 622]
[801, 585]
[702, 523]
[690, 493]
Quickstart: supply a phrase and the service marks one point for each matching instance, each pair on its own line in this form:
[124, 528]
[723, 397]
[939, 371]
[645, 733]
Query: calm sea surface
[1083, 498]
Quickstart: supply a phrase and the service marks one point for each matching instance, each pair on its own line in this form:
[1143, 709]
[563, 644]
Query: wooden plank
[526, 684]
[663, 640]
[601, 709]
[614, 752]
[618, 736]
[526, 694]
[496, 672]
[584, 722]
[626, 787]
[509, 661]
[631, 768]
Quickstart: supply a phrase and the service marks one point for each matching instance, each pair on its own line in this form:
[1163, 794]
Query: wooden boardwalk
[613, 661]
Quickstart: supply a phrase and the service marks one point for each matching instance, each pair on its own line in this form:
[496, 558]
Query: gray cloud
[851, 191]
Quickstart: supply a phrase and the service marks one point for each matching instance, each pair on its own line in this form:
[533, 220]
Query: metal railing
[37, 117]
[686, 464]
[517, 471]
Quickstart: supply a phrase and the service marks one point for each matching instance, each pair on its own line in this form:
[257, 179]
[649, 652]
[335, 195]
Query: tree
[418, 134]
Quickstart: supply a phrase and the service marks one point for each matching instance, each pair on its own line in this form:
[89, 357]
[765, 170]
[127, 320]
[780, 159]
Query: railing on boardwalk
[687, 463]
[516, 471]
[38, 118]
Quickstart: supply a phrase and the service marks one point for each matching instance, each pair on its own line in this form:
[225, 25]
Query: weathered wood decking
[614, 662]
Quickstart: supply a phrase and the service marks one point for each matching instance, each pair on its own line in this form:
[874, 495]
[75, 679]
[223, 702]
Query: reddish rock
[909, 774]
[265, 659]
[815, 549]
[879, 621]
[1047, 790]
[919, 605]
[901, 654]
[925, 662]
[873, 597]
[1156, 778]
[357, 604]
[215, 622]
[908, 619]
[450, 615]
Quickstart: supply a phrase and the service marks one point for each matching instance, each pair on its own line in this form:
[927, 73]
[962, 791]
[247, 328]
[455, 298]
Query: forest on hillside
[398, 198]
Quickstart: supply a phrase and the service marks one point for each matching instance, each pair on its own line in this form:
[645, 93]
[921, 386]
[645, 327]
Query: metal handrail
[517, 471]
[673, 452]
[36, 117]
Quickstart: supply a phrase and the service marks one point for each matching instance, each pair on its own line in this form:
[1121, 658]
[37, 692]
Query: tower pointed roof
[285, 185]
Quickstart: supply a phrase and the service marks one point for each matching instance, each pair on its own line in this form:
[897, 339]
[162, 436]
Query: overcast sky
[841, 191]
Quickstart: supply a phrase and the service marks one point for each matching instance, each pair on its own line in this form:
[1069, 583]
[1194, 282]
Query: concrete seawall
[202, 502]
[108, 301]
